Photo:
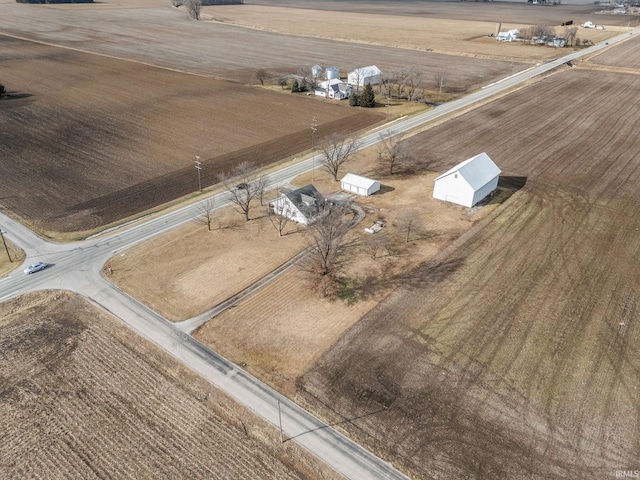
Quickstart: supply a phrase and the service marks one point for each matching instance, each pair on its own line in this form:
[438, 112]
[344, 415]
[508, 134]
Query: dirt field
[164, 36]
[105, 138]
[465, 33]
[514, 356]
[83, 398]
[626, 55]
[507, 347]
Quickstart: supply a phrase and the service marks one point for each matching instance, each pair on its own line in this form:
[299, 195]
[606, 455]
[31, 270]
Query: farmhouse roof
[357, 180]
[477, 171]
[330, 83]
[306, 199]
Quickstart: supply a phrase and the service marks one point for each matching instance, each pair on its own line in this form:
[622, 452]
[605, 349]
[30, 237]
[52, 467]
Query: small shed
[468, 182]
[303, 205]
[360, 185]
[364, 76]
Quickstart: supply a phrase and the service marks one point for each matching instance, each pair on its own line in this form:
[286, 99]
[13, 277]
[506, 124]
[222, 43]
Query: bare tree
[193, 8]
[393, 151]
[307, 79]
[570, 34]
[328, 247]
[261, 186]
[408, 224]
[261, 74]
[391, 82]
[542, 31]
[205, 213]
[440, 80]
[411, 83]
[280, 220]
[336, 150]
[243, 186]
[375, 244]
[357, 76]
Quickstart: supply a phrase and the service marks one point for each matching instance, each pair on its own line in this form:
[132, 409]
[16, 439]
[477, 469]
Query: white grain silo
[331, 73]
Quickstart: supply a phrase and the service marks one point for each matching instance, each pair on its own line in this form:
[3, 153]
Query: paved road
[77, 266]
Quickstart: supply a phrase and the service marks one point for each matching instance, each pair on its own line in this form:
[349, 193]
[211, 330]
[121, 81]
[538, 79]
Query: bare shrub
[328, 248]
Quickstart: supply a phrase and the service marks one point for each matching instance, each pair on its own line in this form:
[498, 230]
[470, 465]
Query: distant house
[468, 182]
[557, 42]
[508, 36]
[360, 185]
[303, 205]
[364, 76]
[333, 88]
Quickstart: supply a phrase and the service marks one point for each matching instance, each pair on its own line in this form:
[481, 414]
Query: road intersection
[78, 267]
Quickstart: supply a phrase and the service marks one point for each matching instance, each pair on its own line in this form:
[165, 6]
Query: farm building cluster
[466, 184]
[335, 88]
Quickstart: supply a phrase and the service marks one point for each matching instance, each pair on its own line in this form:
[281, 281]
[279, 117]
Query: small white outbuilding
[360, 185]
[364, 76]
[468, 182]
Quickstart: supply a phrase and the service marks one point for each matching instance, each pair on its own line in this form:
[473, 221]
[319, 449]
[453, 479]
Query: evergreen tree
[295, 88]
[354, 100]
[368, 98]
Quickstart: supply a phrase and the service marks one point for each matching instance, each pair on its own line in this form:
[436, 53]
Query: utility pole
[198, 168]
[314, 128]
[5, 246]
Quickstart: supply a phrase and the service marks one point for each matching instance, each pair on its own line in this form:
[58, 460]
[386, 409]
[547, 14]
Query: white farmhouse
[468, 182]
[359, 185]
[333, 88]
[303, 205]
[364, 76]
[508, 36]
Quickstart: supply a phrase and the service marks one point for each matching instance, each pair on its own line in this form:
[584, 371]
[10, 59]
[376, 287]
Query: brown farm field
[105, 139]
[81, 397]
[498, 345]
[463, 34]
[626, 55]
[515, 356]
[99, 139]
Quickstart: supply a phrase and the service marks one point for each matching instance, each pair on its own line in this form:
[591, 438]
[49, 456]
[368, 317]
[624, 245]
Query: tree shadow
[15, 96]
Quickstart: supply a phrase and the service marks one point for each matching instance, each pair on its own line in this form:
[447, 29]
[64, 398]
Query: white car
[35, 267]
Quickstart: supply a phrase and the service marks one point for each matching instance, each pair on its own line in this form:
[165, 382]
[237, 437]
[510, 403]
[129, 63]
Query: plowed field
[80, 397]
[515, 356]
[626, 54]
[98, 139]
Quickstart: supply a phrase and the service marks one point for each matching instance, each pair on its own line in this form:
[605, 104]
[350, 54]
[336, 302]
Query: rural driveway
[77, 266]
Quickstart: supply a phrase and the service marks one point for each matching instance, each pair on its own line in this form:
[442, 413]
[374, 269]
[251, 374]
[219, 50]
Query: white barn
[303, 205]
[364, 76]
[360, 185]
[468, 182]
